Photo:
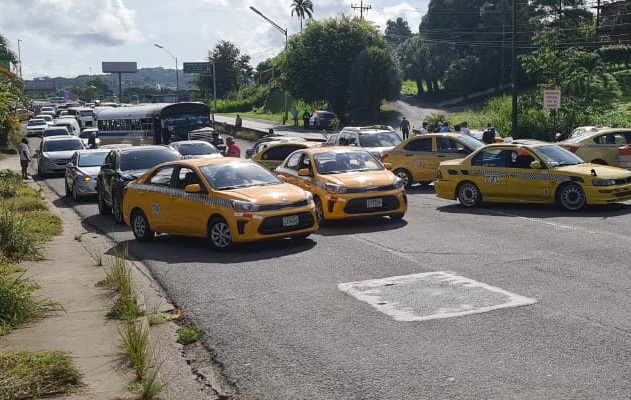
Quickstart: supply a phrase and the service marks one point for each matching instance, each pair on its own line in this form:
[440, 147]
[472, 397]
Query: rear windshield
[56, 132]
[92, 159]
[379, 139]
[134, 160]
[63, 145]
[86, 113]
[34, 122]
[197, 149]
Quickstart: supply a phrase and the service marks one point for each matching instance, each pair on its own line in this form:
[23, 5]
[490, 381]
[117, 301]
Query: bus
[154, 123]
[84, 116]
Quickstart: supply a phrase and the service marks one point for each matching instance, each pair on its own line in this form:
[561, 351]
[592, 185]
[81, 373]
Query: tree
[318, 64]
[397, 32]
[232, 70]
[302, 8]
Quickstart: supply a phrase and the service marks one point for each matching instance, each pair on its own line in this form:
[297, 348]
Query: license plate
[292, 220]
[374, 203]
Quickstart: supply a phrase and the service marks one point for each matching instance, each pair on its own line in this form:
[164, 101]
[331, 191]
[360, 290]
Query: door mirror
[304, 172]
[193, 188]
[536, 165]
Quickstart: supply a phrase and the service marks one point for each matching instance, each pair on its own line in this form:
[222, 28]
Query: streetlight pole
[514, 72]
[177, 75]
[284, 32]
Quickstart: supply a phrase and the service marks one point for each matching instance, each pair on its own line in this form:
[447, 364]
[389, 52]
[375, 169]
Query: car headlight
[603, 182]
[333, 188]
[245, 206]
[309, 198]
[398, 183]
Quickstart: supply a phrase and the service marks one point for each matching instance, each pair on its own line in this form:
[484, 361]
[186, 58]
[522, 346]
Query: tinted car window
[279, 153]
[379, 139]
[92, 159]
[191, 149]
[423, 144]
[145, 159]
[63, 145]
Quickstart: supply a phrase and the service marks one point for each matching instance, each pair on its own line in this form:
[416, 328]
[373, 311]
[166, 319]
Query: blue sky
[72, 37]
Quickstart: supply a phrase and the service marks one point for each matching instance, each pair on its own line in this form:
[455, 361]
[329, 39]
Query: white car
[55, 152]
[48, 118]
[35, 127]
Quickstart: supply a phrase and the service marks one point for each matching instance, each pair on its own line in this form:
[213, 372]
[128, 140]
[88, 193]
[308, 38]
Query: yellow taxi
[345, 182]
[416, 159]
[272, 154]
[530, 171]
[227, 200]
[599, 145]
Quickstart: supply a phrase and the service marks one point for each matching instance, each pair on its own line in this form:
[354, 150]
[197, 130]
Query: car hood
[361, 179]
[58, 155]
[378, 150]
[270, 194]
[215, 155]
[601, 171]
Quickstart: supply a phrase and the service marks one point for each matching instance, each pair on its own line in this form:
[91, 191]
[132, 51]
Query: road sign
[196, 67]
[552, 99]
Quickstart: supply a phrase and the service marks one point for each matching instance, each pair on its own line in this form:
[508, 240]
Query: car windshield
[62, 145]
[341, 162]
[379, 139]
[56, 132]
[92, 159]
[145, 159]
[194, 149]
[35, 122]
[556, 156]
[471, 142]
[234, 175]
[87, 134]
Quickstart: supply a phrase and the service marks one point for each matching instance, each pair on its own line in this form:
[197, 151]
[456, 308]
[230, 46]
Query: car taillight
[573, 149]
[439, 175]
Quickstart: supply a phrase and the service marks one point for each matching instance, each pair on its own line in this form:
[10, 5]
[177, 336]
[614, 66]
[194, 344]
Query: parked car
[322, 119]
[54, 153]
[345, 182]
[530, 172]
[35, 127]
[81, 173]
[274, 153]
[416, 159]
[374, 138]
[55, 131]
[226, 200]
[121, 166]
[195, 149]
[599, 146]
[256, 147]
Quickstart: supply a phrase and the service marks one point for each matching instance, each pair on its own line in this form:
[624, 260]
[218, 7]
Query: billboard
[119, 66]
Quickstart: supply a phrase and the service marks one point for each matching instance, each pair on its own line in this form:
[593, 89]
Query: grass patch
[126, 305]
[150, 387]
[158, 318]
[134, 337]
[187, 335]
[26, 375]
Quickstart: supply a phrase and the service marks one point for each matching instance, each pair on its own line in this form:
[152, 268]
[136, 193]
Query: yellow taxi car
[416, 159]
[345, 182]
[227, 200]
[274, 153]
[529, 171]
[599, 146]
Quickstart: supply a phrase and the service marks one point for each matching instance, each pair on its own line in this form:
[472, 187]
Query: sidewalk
[68, 276]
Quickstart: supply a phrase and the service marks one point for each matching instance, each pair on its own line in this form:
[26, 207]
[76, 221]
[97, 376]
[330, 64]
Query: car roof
[305, 143]
[369, 129]
[61, 137]
[200, 162]
[152, 147]
[93, 151]
[336, 149]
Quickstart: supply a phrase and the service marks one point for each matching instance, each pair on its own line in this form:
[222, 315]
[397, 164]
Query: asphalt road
[500, 302]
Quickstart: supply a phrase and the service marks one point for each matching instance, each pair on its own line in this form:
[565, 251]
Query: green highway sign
[196, 67]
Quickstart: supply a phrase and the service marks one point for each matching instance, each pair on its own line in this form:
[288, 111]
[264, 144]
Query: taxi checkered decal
[519, 175]
[202, 198]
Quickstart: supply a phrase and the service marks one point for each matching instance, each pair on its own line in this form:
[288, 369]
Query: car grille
[273, 225]
[358, 206]
[271, 207]
[62, 162]
[370, 189]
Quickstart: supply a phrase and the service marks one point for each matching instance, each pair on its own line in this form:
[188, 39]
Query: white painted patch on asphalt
[432, 295]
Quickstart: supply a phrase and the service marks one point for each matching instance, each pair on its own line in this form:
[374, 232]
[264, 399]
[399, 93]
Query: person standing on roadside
[238, 123]
[294, 113]
[464, 128]
[25, 156]
[305, 119]
[488, 136]
[405, 128]
[233, 148]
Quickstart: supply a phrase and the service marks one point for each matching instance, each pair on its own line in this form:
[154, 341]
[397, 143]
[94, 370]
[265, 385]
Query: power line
[361, 7]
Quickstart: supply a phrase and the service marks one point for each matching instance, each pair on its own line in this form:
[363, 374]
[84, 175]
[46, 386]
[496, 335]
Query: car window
[138, 160]
[238, 175]
[92, 159]
[617, 138]
[63, 145]
[190, 149]
[491, 158]
[161, 177]
[279, 153]
[294, 161]
[379, 139]
[420, 144]
[187, 176]
[448, 145]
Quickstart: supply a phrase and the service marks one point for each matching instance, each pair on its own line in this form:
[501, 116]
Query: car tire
[140, 226]
[405, 176]
[319, 210]
[571, 197]
[104, 209]
[219, 234]
[67, 189]
[469, 194]
[117, 209]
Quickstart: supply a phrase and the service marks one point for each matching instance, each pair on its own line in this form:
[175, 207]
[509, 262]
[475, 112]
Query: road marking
[432, 295]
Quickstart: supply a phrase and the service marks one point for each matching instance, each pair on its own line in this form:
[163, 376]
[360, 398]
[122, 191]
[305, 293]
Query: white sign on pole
[552, 99]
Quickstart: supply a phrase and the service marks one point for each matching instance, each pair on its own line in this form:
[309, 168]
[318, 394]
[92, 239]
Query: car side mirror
[536, 165]
[37, 154]
[106, 166]
[193, 188]
[304, 172]
[69, 165]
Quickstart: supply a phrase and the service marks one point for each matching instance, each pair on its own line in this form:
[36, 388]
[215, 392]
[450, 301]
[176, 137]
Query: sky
[67, 38]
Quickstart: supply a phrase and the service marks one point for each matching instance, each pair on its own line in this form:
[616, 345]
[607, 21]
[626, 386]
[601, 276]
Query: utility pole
[361, 7]
[514, 71]
[19, 59]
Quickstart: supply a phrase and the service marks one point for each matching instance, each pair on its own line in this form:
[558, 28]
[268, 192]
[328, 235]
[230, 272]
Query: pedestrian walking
[405, 128]
[233, 148]
[25, 156]
[294, 113]
[305, 119]
[238, 123]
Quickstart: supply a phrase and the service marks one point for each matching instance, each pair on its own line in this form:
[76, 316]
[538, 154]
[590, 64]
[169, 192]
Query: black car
[123, 165]
[322, 119]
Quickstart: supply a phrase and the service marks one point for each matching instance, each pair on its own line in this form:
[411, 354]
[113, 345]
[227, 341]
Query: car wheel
[140, 226]
[405, 176]
[75, 193]
[571, 197]
[319, 211]
[117, 209]
[104, 209]
[469, 195]
[219, 234]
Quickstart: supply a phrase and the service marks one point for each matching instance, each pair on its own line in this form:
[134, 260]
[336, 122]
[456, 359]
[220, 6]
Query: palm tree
[302, 8]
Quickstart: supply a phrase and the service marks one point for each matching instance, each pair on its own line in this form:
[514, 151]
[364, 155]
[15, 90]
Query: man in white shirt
[25, 156]
[464, 128]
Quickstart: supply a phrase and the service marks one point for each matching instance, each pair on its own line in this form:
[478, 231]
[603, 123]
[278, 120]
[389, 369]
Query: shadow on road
[538, 210]
[363, 225]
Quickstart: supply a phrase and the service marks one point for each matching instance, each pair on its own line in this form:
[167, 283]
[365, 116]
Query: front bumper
[368, 204]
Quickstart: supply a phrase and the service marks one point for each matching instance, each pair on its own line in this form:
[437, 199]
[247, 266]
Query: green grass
[187, 335]
[26, 375]
[134, 336]
[409, 88]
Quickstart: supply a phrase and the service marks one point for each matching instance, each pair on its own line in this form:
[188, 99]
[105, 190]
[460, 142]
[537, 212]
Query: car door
[107, 173]
[189, 210]
[71, 170]
[418, 158]
[524, 183]
[288, 171]
[488, 171]
[158, 200]
[606, 147]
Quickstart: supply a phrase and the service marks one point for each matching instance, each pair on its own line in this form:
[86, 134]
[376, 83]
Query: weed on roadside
[134, 337]
[188, 335]
[150, 387]
[26, 375]
[126, 304]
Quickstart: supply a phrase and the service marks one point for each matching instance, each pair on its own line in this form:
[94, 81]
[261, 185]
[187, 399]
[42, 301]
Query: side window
[352, 140]
[294, 161]
[420, 144]
[343, 139]
[186, 176]
[161, 177]
[278, 153]
[446, 145]
[491, 158]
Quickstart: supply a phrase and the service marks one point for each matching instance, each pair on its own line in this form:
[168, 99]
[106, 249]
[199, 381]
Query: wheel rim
[220, 235]
[319, 212]
[404, 177]
[140, 225]
[469, 195]
[572, 197]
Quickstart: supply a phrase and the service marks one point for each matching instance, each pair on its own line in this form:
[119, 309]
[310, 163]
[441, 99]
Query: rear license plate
[374, 203]
[292, 220]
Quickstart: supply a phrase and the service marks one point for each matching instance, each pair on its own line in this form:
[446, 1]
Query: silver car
[195, 149]
[81, 173]
[55, 152]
